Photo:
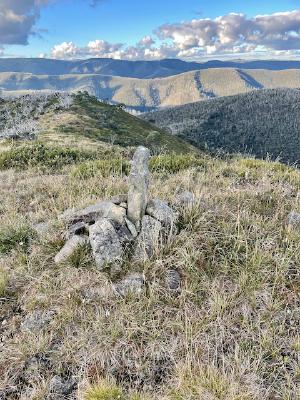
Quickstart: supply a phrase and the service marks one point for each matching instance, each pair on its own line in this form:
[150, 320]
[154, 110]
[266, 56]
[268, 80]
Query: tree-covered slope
[263, 123]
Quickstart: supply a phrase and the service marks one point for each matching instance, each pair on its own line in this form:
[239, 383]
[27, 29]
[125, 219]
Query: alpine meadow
[149, 200]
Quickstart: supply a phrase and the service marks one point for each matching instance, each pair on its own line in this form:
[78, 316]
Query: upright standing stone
[138, 186]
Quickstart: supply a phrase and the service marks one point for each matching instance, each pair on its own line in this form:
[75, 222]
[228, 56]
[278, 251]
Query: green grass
[3, 282]
[105, 391]
[15, 236]
[165, 163]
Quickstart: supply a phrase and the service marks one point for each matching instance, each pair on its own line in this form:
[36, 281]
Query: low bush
[106, 167]
[40, 155]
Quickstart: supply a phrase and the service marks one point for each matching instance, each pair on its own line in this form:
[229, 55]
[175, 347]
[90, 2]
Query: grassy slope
[264, 122]
[231, 334]
[89, 123]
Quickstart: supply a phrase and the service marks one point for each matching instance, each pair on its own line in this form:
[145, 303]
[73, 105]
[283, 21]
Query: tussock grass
[232, 333]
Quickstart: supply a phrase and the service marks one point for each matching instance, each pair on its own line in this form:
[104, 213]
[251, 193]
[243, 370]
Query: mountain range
[146, 85]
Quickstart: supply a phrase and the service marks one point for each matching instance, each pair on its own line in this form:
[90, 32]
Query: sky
[156, 29]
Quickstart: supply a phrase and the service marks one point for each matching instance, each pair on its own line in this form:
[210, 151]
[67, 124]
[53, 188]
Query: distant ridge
[132, 69]
[151, 94]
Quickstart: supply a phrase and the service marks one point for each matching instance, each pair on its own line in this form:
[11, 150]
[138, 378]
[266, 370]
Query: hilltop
[263, 123]
[231, 330]
[80, 120]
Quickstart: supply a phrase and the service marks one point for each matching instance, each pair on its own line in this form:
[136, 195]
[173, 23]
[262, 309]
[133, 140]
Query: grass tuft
[105, 391]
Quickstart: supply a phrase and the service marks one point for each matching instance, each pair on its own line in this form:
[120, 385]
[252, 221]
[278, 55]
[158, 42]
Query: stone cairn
[128, 225]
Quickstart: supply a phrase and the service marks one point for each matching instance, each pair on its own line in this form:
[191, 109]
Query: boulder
[160, 210]
[103, 209]
[149, 239]
[105, 242]
[70, 247]
[131, 284]
[138, 186]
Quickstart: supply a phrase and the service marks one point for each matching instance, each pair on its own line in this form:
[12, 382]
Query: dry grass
[232, 333]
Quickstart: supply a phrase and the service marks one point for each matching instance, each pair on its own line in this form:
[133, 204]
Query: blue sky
[75, 29]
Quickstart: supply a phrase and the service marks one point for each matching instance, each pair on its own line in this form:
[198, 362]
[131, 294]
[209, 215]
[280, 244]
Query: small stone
[160, 210]
[119, 199]
[36, 321]
[105, 243]
[293, 219]
[104, 292]
[132, 284]
[61, 386]
[70, 248]
[131, 228]
[148, 240]
[173, 279]
[138, 186]
[185, 199]
[103, 209]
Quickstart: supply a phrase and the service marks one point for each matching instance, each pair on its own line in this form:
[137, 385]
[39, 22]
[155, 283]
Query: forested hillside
[263, 123]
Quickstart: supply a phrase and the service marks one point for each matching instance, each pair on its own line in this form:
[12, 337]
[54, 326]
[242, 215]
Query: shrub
[113, 166]
[39, 155]
[172, 163]
[13, 236]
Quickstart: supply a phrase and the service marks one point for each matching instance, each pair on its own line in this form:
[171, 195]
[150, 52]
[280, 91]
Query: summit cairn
[127, 226]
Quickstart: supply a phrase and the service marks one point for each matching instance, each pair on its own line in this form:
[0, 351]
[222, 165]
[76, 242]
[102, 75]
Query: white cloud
[236, 33]
[146, 41]
[65, 50]
[232, 34]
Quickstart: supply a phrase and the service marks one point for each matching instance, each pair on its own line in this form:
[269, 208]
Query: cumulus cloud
[17, 18]
[230, 34]
[235, 33]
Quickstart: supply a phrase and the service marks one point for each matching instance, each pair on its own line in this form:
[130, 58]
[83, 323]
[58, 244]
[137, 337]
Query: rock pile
[128, 225]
